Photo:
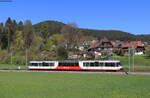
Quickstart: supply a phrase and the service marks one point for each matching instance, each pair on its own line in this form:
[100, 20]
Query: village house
[138, 47]
[106, 47]
[102, 47]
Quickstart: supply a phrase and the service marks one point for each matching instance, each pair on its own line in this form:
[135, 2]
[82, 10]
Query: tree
[14, 25]
[57, 39]
[1, 28]
[61, 53]
[10, 29]
[37, 44]
[20, 26]
[28, 34]
[147, 51]
[71, 35]
[49, 44]
[3, 37]
[19, 42]
[44, 33]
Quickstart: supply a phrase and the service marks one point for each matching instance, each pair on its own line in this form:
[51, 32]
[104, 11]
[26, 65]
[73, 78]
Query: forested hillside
[54, 27]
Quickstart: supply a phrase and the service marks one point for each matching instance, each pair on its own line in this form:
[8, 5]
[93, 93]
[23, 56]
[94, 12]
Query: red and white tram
[77, 65]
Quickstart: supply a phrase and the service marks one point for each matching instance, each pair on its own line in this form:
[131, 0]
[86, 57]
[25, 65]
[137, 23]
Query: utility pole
[11, 57]
[9, 50]
[129, 58]
[26, 57]
[8, 40]
[133, 58]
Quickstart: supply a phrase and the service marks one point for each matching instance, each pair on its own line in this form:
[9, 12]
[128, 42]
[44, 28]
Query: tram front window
[118, 64]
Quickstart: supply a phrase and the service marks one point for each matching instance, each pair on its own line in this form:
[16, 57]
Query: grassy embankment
[140, 63]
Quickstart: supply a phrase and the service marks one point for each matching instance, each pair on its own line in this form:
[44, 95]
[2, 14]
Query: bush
[119, 52]
[19, 60]
[147, 51]
[4, 56]
[62, 53]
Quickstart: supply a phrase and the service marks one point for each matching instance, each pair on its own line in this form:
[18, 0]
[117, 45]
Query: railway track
[83, 72]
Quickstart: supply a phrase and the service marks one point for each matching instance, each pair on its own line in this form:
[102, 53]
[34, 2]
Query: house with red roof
[138, 46]
[101, 47]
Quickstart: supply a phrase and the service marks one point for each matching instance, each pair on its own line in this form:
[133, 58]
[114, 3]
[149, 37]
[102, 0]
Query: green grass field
[141, 63]
[138, 60]
[72, 85]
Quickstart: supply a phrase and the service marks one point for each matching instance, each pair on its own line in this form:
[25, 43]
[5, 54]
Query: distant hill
[110, 34]
[53, 27]
[145, 37]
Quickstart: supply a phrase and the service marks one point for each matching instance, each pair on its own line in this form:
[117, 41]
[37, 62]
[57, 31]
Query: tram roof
[71, 61]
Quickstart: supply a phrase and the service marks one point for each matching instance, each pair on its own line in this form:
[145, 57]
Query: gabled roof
[104, 40]
[133, 44]
[96, 44]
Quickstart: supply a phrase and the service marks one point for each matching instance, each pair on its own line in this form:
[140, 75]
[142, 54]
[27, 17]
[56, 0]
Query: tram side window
[45, 64]
[51, 64]
[61, 64]
[86, 64]
[96, 64]
[101, 64]
[92, 64]
[68, 64]
[109, 64]
[40, 64]
[76, 64]
[34, 64]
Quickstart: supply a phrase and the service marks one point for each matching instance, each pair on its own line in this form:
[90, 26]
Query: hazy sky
[127, 15]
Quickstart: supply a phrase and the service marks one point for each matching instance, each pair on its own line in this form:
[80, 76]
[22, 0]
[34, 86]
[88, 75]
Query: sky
[131, 16]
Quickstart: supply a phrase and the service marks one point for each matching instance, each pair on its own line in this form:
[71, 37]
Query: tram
[113, 65]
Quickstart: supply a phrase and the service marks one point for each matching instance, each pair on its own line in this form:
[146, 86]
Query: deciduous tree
[19, 42]
[28, 34]
[71, 35]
